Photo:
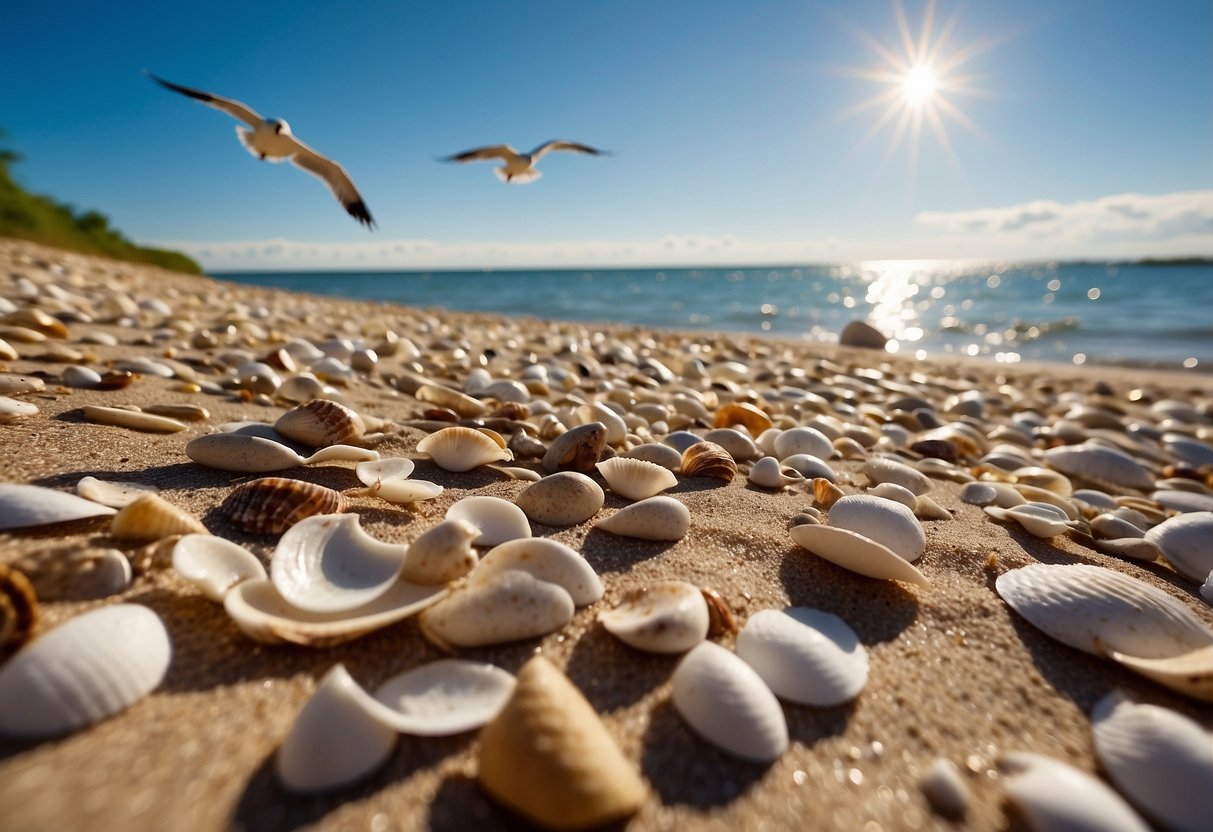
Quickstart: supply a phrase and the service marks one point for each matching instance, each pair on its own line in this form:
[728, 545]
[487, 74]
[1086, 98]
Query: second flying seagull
[271, 140]
[519, 168]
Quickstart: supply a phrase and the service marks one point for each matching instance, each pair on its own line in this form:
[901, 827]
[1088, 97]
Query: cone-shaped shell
[635, 479]
[23, 506]
[508, 606]
[320, 423]
[857, 553]
[441, 554]
[548, 756]
[561, 499]
[328, 563]
[1054, 797]
[884, 521]
[150, 517]
[215, 565]
[806, 656]
[547, 560]
[445, 697]
[664, 617]
[707, 459]
[657, 518]
[271, 505]
[498, 520]
[461, 449]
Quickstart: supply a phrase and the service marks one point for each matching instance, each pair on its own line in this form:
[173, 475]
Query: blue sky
[1092, 129]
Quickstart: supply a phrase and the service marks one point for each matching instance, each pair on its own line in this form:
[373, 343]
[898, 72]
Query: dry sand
[954, 673]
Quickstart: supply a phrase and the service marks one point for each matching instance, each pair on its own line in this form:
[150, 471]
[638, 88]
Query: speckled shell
[271, 505]
[320, 423]
[707, 459]
[153, 518]
[561, 499]
[19, 612]
[577, 449]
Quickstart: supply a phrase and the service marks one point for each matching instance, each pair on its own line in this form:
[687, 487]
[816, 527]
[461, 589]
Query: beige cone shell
[151, 517]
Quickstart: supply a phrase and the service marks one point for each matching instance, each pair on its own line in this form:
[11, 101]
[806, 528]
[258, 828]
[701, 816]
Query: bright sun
[918, 86]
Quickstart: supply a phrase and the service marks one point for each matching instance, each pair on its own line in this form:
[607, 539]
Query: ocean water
[1139, 314]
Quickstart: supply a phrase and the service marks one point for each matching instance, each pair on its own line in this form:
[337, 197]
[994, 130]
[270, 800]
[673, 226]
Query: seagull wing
[228, 105]
[497, 151]
[560, 144]
[336, 178]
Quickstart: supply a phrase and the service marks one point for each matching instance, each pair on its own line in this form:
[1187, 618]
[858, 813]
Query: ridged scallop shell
[547, 560]
[320, 423]
[1186, 542]
[441, 554]
[445, 697]
[768, 473]
[460, 449]
[657, 518]
[215, 565]
[271, 505]
[336, 739]
[577, 449]
[728, 704]
[664, 617]
[742, 413]
[1158, 759]
[635, 479]
[707, 459]
[90, 668]
[498, 520]
[561, 499]
[860, 554]
[548, 757]
[805, 656]
[25, 506]
[328, 563]
[888, 470]
[258, 455]
[1099, 464]
[1054, 797]
[19, 611]
[151, 517]
[507, 606]
[888, 523]
[802, 440]
[113, 494]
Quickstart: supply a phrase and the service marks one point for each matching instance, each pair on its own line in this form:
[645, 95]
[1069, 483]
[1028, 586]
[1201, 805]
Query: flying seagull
[271, 140]
[520, 167]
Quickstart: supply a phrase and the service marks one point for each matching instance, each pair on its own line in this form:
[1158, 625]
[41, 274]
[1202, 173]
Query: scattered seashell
[616, 428]
[884, 521]
[462, 404]
[562, 499]
[441, 554]
[857, 553]
[507, 606]
[215, 565]
[498, 520]
[665, 617]
[883, 469]
[1186, 542]
[635, 479]
[729, 704]
[742, 413]
[577, 449]
[945, 789]
[151, 517]
[1099, 464]
[11, 409]
[768, 473]
[805, 656]
[1188, 673]
[1035, 519]
[657, 518]
[133, 419]
[328, 563]
[113, 494]
[546, 560]
[7, 353]
[926, 508]
[73, 573]
[320, 423]
[180, 412]
[803, 440]
[1044, 478]
[337, 738]
[1109, 526]
[739, 446]
[257, 455]
[720, 617]
[460, 449]
[707, 459]
[13, 385]
[810, 467]
[90, 668]
[657, 453]
[1134, 548]
[548, 757]
[271, 505]
[896, 493]
[1054, 797]
[19, 611]
[388, 480]
[445, 697]
[979, 494]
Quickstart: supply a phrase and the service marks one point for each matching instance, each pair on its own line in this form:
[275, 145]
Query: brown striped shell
[707, 459]
[271, 505]
[321, 423]
[18, 609]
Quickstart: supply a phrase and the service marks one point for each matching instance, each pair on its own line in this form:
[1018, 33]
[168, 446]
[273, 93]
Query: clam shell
[11, 409]
[803, 440]
[888, 470]
[508, 606]
[1110, 527]
[738, 445]
[90, 668]
[809, 467]
[320, 423]
[446, 697]
[23, 506]
[768, 473]
[113, 494]
[857, 553]
[616, 428]
[498, 520]
[1054, 797]
[265, 616]
[707, 459]
[657, 518]
[548, 757]
[896, 493]
[1158, 759]
[151, 517]
[19, 611]
[576, 449]
[561, 499]
[664, 617]
[271, 505]
[805, 656]
[133, 419]
[658, 454]
[328, 563]
[215, 565]
[635, 479]
[258, 455]
[1099, 464]
[546, 560]
[336, 739]
[441, 554]
[460, 449]
[728, 704]
[884, 521]
[1186, 542]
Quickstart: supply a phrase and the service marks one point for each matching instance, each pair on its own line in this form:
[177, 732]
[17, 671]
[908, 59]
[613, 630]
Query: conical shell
[547, 560]
[90, 668]
[635, 479]
[886, 522]
[215, 565]
[1186, 541]
[657, 518]
[151, 517]
[728, 704]
[320, 423]
[446, 697]
[24, 506]
[857, 553]
[505, 607]
[461, 449]
[1054, 797]
[665, 617]
[498, 520]
[707, 459]
[441, 554]
[271, 505]
[113, 494]
[806, 656]
[561, 499]
[19, 611]
[548, 756]
[1100, 465]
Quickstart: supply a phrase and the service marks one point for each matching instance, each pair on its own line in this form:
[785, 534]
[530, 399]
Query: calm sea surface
[1074, 313]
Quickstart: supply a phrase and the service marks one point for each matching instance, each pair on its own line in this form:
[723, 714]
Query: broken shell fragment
[328, 563]
[498, 520]
[388, 479]
[1188, 673]
[215, 565]
[665, 617]
[321, 422]
[805, 656]
[271, 505]
[635, 479]
[24, 506]
[826, 493]
[547, 560]
[445, 697]
[561, 499]
[441, 554]
[857, 553]
[113, 494]
[707, 459]
[505, 607]
[657, 518]
[458, 449]
[151, 517]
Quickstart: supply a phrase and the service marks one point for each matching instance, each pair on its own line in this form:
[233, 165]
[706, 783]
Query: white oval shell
[561, 499]
[657, 518]
[656, 453]
[1055, 797]
[664, 617]
[546, 560]
[853, 551]
[888, 470]
[460, 449]
[806, 656]
[809, 467]
[728, 704]
[1099, 464]
[896, 493]
[888, 523]
[90, 668]
[446, 697]
[498, 520]
[214, 565]
[113, 494]
[1160, 760]
[22, 506]
[441, 554]
[336, 739]
[1186, 542]
[1188, 673]
[241, 452]
[635, 479]
[327, 563]
[802, 440]
[506, 607]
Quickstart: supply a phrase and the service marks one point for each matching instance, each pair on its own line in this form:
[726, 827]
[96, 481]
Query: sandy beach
[954, 672]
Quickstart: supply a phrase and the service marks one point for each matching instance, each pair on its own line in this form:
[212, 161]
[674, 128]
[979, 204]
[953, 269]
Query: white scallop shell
[802, 440]
[768, 473]
[546, 560]
[258, 455]
[1158, 759]
[449, 696]
[336, 739]
[663, 617]
[508, 606]
[656, 453]
[90, 668]
[882, 469]
[561, 499]
[635, 479]
[1054, 797]
[327, 563]
[460, 449]
[857, 553]
[1099, 464]
[728, 704]
[806, 656]
[657, 518]
[888, 523]
[441, 554]
[265, 616]
[214, 565]
[22, 506]
[1186, 542]
[498, 520]
[113, 494]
